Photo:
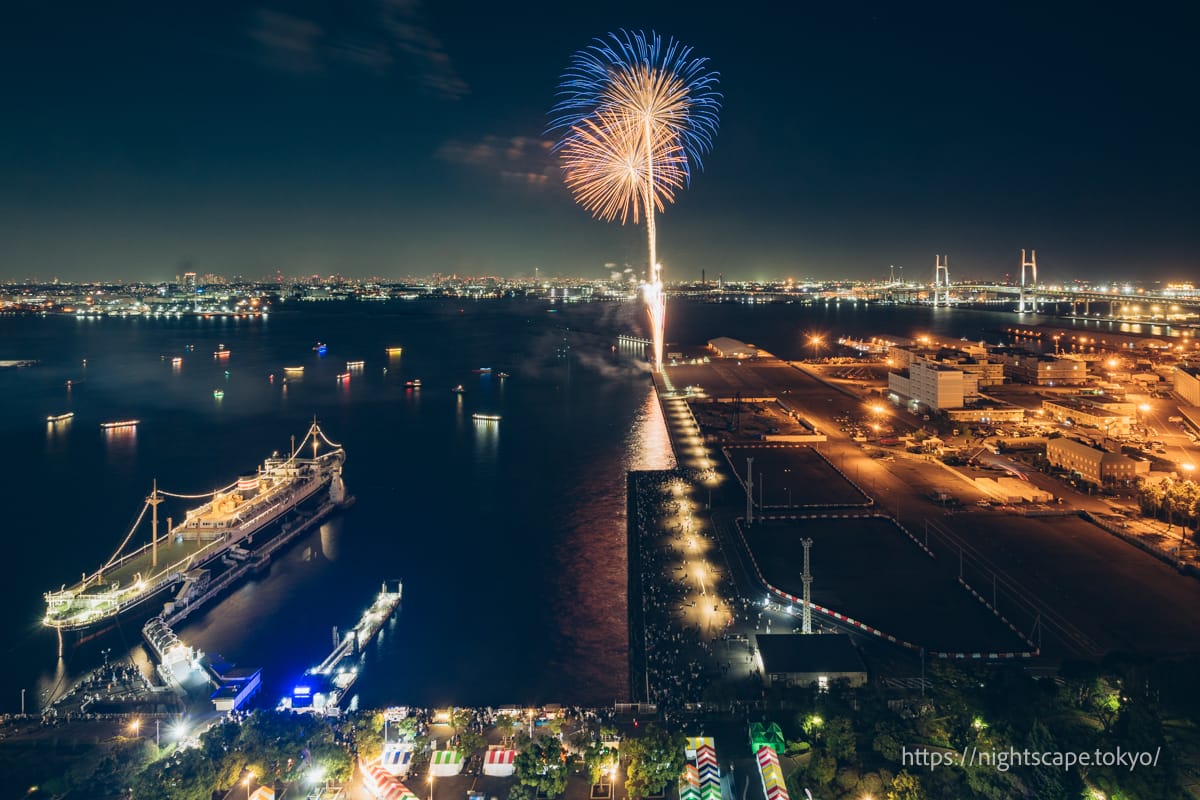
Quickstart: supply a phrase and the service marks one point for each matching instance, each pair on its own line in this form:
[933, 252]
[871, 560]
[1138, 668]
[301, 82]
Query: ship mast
[154, 500]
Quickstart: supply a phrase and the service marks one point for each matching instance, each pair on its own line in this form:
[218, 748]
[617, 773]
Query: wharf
[258, 559]
[335, 674]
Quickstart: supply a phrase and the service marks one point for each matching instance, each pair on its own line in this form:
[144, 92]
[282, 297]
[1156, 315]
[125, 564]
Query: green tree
[655, 759]
[839, 740]
[822, 769]
[506, 726]
[906, 786]
[597, 760]
[541, 768]
[470, 741]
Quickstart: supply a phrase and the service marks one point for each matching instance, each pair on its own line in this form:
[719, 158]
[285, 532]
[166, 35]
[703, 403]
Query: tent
[397, 757]
[693, 743]
[263, 793]
[772, 775]
[444, 763]
[380, 783]
[499, 762]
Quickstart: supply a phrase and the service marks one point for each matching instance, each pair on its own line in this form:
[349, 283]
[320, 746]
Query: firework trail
[635, 115]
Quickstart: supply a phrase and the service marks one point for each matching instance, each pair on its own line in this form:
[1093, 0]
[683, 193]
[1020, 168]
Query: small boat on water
[355, 364]
[176, 361]
[503, 375]
[60, 417]
[483, 370]
[294, 370]
[395, 351]
[458, 389]
[345, 376]
[321, 348]
[413, 384]
[222, 353]
[217, 393]
[485, 417]
[125, 423]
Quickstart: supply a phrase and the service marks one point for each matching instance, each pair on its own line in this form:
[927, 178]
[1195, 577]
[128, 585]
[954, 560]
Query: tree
[821, 769]
[655, 759]
[541, 768]
[506, 725]
[469, 742]
[839, 740]
[906, 787]
[598, 760]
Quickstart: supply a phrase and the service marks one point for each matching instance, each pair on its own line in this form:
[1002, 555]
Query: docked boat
[283, 496]
[485, 417]
[124, 423]
[60, 417]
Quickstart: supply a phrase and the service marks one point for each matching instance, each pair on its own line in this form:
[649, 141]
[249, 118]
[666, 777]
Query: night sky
[398, 137]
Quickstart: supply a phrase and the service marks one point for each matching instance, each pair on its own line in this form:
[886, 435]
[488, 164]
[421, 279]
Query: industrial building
[1187, 384]
[724, 347]
[1093, 465]
[809, 660]
[1089, 415]
[1041, 370]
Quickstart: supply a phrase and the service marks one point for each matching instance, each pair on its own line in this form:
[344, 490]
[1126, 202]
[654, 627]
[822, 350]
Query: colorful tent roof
[380, 782]
[694, 743]
[774, 786]
[500, 756]
[446, 757]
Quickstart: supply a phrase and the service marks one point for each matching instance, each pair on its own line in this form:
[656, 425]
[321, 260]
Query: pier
[327, 684]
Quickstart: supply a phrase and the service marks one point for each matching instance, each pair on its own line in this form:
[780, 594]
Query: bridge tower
[941, 278]
[806, 577]
[1031, 263]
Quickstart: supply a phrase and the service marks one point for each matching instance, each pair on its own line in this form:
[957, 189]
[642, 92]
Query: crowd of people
[678, 650]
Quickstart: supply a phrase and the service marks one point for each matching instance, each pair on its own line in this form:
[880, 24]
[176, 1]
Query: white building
[1187, 384]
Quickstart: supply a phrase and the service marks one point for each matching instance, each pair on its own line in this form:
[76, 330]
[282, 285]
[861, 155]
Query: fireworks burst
[635, 114]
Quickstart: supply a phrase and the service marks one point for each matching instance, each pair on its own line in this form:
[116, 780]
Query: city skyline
[396, 139]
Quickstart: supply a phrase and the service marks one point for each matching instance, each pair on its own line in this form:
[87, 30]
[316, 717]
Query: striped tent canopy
[444, 763]
[694, 743]
[772, 775]
[499, 762]
[396, 758]
[263, 793]
[500, 756]
[380, 783]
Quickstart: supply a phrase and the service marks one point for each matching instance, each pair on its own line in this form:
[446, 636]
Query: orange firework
[614, 171]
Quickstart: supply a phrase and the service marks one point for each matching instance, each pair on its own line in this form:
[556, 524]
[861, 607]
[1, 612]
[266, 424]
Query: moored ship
[263, 504]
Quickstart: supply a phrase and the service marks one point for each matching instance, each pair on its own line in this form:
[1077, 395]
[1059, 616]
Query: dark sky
[396, 137]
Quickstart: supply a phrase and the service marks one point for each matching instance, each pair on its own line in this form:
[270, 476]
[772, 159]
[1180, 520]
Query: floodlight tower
[806, 577]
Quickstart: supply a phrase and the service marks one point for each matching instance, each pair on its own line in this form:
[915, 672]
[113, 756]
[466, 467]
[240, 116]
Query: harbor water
[509, 535]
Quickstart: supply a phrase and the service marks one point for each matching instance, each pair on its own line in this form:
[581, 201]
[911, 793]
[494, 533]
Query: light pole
[249, 780]
[431, 783]
[815, 341]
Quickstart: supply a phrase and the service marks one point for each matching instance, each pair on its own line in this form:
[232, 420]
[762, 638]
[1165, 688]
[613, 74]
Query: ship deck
[170, 553]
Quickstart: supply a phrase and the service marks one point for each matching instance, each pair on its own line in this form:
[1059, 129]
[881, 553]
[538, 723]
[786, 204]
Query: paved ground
[793, 476]
[870, 570]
